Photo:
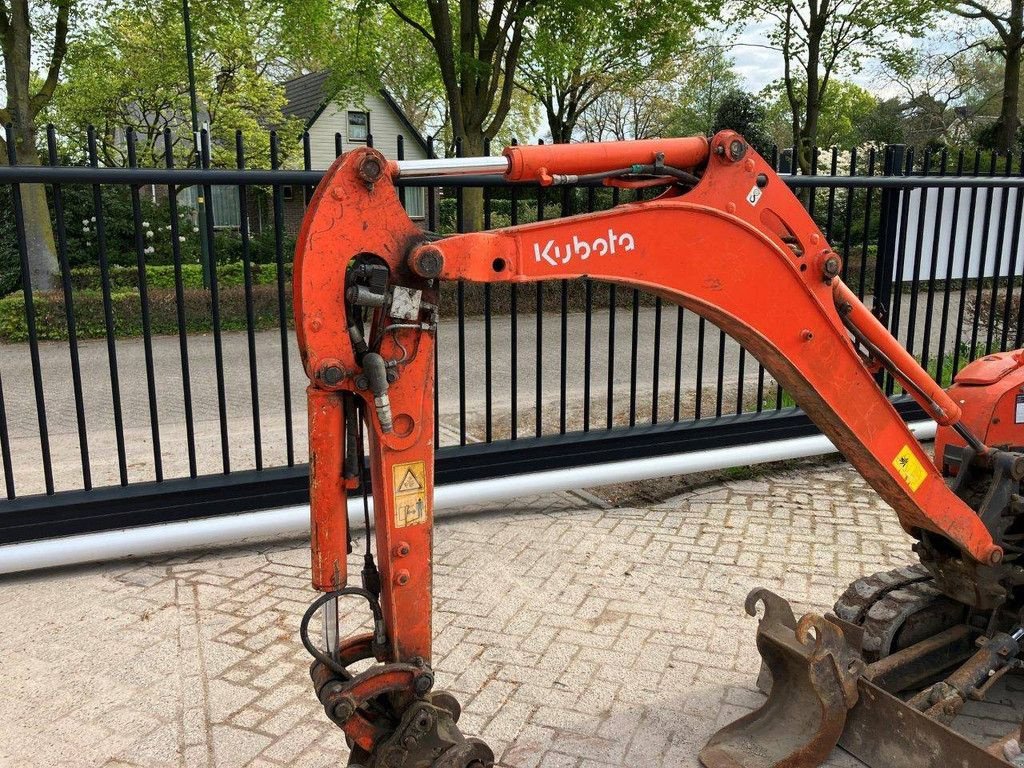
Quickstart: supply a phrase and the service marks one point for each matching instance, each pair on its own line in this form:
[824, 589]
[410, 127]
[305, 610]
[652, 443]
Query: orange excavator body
[990, 393]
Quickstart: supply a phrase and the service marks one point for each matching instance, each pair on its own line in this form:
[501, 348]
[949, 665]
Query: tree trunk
[39, 242]
[809, 129]
[472, 197]
[43, 268]
[1009, 115]
[42, 253]
[808, 138]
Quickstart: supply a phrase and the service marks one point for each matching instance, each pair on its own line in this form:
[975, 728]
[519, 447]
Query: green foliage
[162, 276]
[845, 109]
[129, 70]
[770, 399]
[849, 116]
[885, 124]
[699, 82]
[745, 114]
[678, 99]
[944, 95]
[368, 48]
[89, 318]
[985, 136]
[82, 228]
[82, 239]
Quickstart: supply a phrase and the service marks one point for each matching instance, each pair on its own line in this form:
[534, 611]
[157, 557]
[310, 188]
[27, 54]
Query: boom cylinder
[540, 162]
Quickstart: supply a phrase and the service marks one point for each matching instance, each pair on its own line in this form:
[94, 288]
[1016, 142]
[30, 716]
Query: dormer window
[358, 126]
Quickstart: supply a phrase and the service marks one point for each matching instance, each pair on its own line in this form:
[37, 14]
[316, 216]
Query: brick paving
[576, 636]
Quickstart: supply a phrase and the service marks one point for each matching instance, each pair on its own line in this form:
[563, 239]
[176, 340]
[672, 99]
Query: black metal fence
[143, 387]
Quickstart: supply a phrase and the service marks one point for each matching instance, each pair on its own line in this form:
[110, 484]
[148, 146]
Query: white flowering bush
[115, 228]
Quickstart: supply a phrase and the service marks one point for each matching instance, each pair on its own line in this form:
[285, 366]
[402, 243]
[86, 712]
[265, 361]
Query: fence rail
[144, 387]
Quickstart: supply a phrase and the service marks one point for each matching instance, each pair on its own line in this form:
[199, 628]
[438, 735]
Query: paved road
[575, 636]
[20, 402]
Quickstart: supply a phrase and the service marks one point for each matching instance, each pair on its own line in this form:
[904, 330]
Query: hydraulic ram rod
[449, 166]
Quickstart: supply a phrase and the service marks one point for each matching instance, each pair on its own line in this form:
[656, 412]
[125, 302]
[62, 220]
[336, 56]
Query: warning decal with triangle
[409, 483]
[410, 494]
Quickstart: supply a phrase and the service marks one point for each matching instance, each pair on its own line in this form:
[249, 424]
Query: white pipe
[294, 521]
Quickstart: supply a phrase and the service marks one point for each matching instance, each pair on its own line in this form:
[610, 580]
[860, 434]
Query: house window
[287, 193]
[414, 202]
[358, 126]
[223, 206]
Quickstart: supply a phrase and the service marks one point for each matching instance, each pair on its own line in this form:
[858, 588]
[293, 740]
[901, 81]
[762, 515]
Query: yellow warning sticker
[410, 483]
[910, 469]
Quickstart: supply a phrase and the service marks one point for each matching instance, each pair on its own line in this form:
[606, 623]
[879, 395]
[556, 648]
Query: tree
[845, 119]
[846, 110]
[1007, 22]
[944, 89]
[366, 49]
[885, 124]
[680, 98]
[819, 39]
[578, 51]
[642, 111]
[744, 113]
[129, 71]
[705, 75]
[40, 32]
[478, 47]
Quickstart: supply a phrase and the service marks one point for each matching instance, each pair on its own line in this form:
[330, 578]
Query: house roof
[307, 95]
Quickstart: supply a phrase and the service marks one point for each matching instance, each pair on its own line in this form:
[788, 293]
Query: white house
[335, 126]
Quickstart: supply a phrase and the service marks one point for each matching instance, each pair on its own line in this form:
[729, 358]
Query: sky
[756, 64]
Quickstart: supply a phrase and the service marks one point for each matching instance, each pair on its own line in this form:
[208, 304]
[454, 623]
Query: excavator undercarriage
[892, 666]
[883, 674]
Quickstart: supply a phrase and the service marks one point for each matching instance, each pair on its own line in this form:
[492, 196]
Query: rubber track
[854, 604]
[887, 616]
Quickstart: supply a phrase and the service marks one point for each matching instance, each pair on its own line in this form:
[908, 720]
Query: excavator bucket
[814, 675]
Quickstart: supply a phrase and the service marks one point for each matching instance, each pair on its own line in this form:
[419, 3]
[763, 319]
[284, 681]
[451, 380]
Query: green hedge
[127, 314]
[124, 278]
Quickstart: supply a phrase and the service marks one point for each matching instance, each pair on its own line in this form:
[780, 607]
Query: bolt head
[737, 149]
[424, 683]
[370, 169]
[332, 374]
[428, 262]
[343, 710]
[832, 266]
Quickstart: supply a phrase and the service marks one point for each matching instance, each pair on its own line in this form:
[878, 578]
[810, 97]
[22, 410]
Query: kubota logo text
[557, 254]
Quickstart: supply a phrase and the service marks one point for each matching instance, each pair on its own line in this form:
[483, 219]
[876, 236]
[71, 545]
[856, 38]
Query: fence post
[888, 230]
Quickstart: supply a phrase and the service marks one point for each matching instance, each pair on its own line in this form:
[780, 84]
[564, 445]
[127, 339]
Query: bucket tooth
[814, 672]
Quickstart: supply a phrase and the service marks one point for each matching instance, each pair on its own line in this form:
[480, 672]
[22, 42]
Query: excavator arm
[726, 239]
